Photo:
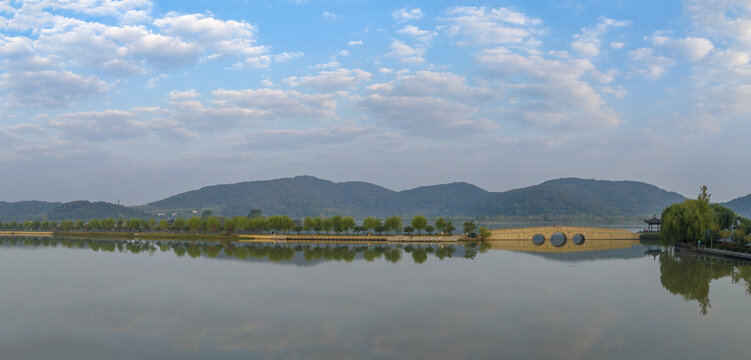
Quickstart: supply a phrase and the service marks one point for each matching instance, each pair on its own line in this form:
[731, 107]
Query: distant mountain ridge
[741, 205]
[310, 196]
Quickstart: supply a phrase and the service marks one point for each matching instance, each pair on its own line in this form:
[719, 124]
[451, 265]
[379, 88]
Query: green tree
[287, 224]
[449, 228]
[79, 225]
[686, 221]
[393, 224]
[348, 224]
[163, 225]
[259, 224]
[194, 224]
[179, 224]
[429, 229]
[241, 222]
[317, 225]
[336, 224]
[66, 225]
[308, 223]
[212, 223]
[484, 233]
[704, 195]
[470, 227]
[722, 216]
[134, 224]
[419, 223]
[370, 223]
[108, 224]
[94, 224]
[408, 230]
[328, 224]
[274, 222]
[206, 213]
[440, 225]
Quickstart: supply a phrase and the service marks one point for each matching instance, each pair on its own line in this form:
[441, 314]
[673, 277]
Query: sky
[137, 100]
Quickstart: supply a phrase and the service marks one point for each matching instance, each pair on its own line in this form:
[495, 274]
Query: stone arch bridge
[561, 238]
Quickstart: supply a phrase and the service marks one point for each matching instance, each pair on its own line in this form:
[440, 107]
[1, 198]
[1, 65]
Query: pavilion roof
[654, 220]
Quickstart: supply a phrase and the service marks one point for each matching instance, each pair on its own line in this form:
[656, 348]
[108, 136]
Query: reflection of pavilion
[653, 251]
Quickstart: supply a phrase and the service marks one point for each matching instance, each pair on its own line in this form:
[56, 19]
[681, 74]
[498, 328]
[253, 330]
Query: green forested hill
[306, 195]
[25, 210]
[573, 196]
[309, 196]
[85, 210]
[741, 205]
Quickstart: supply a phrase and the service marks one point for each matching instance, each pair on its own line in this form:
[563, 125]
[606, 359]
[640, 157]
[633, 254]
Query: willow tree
[686, 221]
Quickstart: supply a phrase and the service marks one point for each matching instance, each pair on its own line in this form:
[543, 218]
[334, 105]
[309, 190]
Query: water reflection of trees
[689, 275]
[263, 251]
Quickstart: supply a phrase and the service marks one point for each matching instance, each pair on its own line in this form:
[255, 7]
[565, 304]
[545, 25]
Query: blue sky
[137, 100]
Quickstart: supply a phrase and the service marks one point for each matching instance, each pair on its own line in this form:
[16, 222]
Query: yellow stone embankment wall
[26, 233]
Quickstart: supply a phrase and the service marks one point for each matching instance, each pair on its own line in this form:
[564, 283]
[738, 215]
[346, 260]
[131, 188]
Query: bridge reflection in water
[560, 239]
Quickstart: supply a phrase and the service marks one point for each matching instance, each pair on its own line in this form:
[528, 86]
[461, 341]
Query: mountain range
[309, 196]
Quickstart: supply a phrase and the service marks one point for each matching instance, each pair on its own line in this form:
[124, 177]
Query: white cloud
[587, 43]
[689, 48]
[177, 95]
[425, 116]
[294, 138]
[435, 84]
[407, 14]
[415, 32]
[354, 42]
[478, 25]
[328, 15]
[648, 64]
[99, 126]
[726, 19]
[329, 81]
[278, 103]
[49, 88]
[429, 104]
[549, 93]
[406, 53]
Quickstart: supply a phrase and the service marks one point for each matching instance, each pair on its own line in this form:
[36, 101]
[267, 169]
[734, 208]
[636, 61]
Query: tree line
[207, 223]
[697, 220]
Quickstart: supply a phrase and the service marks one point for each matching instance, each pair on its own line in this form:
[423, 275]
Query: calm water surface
[71, 299]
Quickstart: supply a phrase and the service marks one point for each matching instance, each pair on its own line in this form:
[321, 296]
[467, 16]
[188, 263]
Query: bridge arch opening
[538, 239]
[578, 239]
[558, 239]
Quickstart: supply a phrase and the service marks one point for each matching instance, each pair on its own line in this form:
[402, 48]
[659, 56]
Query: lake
[84, 299]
